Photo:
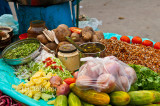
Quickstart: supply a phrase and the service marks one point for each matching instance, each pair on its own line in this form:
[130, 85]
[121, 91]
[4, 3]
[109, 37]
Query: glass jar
[69, 56]
[36, 28]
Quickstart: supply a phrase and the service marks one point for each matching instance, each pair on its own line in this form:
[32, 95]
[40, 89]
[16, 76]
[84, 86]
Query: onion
[7, 101]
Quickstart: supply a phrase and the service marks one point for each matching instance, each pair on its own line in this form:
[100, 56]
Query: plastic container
[69, 56]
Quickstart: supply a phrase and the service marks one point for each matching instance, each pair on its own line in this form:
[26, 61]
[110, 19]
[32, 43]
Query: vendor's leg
[52, 15]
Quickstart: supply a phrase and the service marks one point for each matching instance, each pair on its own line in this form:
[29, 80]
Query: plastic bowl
[19, 61]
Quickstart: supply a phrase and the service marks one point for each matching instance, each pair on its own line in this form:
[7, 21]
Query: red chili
[60, 67]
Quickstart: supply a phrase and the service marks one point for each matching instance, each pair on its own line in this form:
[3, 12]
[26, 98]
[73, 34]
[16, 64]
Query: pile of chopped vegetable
[146, 79]
[22, 50]
[7, 101]
[38, 87]
[53, 65]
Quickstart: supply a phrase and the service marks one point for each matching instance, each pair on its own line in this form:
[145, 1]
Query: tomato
[54, 67]
[44, 61]
[136, 40]
[49, 63]
[47, 59]
[53, 62]
[69, 80]
[157, 45]
[125, 39]
[147, 43]
[114, 38]
[75, 30]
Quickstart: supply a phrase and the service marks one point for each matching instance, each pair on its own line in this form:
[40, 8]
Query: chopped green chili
[22, 50]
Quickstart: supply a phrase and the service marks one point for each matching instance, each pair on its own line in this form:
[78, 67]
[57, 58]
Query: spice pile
[133, 53]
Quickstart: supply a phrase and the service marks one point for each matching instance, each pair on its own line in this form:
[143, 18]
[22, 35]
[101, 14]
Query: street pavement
[126, 17]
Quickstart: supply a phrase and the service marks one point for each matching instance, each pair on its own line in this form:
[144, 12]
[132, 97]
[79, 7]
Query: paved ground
[137, 17]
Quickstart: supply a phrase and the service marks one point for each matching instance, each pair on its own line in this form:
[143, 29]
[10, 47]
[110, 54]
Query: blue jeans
[53, 16]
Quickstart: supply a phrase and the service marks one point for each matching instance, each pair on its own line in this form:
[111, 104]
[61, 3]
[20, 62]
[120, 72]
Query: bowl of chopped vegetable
[21, 51]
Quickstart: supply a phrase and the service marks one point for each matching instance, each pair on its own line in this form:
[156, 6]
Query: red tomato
[54, 67]
[114, 38]
[69, 80]
[125, 39]
[75, 30]
[147, 43]
[49, 63]
[157, 45]
[47, 59]
[136, 40]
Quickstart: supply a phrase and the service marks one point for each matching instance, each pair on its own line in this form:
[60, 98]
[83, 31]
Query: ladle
[78, 47]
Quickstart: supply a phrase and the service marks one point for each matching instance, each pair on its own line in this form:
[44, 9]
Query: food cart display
[80, 67]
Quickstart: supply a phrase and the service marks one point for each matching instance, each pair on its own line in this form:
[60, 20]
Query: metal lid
[67, 48]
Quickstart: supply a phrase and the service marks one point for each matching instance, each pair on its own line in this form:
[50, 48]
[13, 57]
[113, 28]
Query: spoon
[78, 47]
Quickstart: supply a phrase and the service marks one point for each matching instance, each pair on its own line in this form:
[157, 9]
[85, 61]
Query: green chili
[22, 50]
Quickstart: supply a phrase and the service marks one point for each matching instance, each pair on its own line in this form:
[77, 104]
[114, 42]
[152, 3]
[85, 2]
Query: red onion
[7, 101]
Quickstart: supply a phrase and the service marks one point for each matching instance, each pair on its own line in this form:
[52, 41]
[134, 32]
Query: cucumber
[142, 97]
[61, 100]
[119, 98]
[86, 104]
[157, 96]
[73, 100]
[91, 96]
[153, 105]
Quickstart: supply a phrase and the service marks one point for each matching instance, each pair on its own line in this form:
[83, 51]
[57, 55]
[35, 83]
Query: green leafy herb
[146, 79]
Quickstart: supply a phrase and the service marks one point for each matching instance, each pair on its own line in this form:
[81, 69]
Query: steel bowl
[97, 54]
[19, 61]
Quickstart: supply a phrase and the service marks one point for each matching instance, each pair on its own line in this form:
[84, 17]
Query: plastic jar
[69, 56]
[36, 28]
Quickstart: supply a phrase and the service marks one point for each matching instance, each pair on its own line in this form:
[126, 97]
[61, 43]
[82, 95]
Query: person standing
[4, 7]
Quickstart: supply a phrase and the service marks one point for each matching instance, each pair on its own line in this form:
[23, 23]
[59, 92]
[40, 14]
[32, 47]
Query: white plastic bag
[9, 21]
[92, 22]
[105, 75]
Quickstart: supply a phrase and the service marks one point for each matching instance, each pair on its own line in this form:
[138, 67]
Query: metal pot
[97, 54]
[19, 61]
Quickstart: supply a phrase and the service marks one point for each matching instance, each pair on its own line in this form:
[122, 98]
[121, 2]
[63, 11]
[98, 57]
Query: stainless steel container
[21, 60]
[97, 54]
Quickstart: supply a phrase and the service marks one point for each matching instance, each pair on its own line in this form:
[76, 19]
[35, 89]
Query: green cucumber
[73, 100]
[86, 104]
[61, 100]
